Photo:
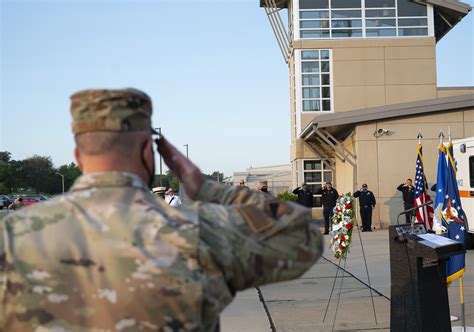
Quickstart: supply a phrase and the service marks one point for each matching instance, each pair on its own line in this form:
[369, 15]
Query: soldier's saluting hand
[108, 255]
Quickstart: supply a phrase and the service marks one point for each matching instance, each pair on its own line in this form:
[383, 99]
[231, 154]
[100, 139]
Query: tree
[38, 174]
[70, 172]
[216, 176]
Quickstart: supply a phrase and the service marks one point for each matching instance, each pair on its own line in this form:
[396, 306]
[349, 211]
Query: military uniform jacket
[109, 256]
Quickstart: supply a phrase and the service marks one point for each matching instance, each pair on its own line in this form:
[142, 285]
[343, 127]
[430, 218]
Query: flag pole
[461, 298]
[441, 137]
[419, 136]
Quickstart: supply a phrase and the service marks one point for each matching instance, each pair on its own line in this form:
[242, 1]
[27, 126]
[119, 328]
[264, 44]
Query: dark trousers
[408, 215]
[366, 216]
[328, 213]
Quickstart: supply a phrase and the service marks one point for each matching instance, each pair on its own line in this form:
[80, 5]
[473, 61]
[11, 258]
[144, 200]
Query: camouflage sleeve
[254, 238]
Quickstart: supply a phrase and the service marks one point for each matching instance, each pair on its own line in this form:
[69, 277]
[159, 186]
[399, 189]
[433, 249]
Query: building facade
[363, 85]
[278, 177]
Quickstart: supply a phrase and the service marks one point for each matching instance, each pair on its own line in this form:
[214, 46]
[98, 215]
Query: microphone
[413, 209]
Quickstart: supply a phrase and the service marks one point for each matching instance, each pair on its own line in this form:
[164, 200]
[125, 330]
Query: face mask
[265, 190]
[364, 189]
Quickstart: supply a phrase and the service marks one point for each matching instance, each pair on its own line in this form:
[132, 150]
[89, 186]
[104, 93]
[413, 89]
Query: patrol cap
[120, 110]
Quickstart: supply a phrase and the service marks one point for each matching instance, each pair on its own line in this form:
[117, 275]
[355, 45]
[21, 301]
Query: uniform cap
[121, 110]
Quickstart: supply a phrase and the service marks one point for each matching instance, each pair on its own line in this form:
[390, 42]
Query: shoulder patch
[256, 219]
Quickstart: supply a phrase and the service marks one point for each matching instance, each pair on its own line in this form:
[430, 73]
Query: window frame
[323, 170]
[364, 29]
[299, 82]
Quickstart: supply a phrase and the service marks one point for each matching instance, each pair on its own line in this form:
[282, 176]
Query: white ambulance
[464, 155]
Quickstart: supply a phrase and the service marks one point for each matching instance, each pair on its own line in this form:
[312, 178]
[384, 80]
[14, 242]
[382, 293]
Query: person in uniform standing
[408, 192]
[109, 256]
[242, 184]
[329, 197]
[171, 199]
[305, 196]
[366, 203]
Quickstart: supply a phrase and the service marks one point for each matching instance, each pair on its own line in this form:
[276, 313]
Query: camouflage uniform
[109, 256]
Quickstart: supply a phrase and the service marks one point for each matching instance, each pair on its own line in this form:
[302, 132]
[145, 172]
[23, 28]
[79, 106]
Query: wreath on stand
[342, 225]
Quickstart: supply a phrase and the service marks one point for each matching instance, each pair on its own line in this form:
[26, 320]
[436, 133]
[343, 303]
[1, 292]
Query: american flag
[425, 214]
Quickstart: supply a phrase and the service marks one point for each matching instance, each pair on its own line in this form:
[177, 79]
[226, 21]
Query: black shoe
[364, 230]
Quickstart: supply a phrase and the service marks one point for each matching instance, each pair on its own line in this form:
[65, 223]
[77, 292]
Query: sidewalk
[299, 305]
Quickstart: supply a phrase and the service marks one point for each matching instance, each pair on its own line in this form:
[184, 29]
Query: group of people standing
[329, 197]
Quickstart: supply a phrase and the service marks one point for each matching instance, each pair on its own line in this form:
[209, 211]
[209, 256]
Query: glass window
[345, 4]
[325, 80]
[325, 66]
[346, 33]
[381, 32]
[309, 54]
[314, 4]
[410, 8]
[375, 23]
[314, 34]
[327, 176]
[380, 13]
[311, 93]
[379, 3]
[413, 32]
[312, 165]
[412, 22]
[326, 92]
[312, 177]
[325, 54]
[310, 67]
[347, 23]
[311, 80]
[346, 13]
[314, 24]
[311, 106]
[319, 14]
[315, 79]
[326, 105]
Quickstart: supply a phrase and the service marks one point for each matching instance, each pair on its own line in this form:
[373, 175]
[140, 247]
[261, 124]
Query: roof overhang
[447, 13]
[342, 124]
[279, 3]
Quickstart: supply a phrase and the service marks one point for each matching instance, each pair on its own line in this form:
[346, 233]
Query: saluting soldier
[109, 256]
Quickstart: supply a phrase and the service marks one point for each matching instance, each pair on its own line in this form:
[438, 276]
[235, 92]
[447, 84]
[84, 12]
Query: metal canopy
[341, 124]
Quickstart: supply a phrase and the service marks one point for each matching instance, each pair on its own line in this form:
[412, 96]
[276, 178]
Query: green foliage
[71, 172]
[35, 174]
[286, 196]
[167, 180]
[216, 176]
[4, 189]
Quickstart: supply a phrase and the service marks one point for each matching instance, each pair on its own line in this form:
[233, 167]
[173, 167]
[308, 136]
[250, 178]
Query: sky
[212, 68]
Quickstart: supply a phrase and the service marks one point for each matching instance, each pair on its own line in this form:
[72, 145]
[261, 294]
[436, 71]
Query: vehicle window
[471, 170]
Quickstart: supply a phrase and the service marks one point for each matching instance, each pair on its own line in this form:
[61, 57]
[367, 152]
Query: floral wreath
[342, 225]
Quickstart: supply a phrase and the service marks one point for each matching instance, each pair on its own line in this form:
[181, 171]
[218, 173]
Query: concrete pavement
[299, 305]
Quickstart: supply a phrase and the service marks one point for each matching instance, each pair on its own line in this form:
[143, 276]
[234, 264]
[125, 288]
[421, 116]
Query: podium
[419, 294]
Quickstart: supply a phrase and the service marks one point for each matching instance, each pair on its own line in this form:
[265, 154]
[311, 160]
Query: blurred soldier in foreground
[109, 256]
